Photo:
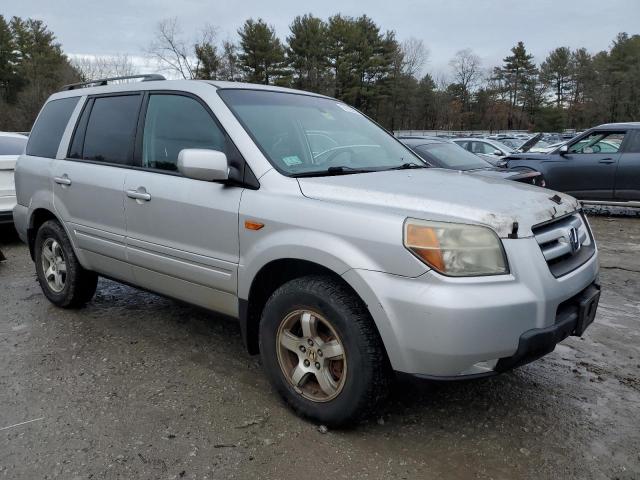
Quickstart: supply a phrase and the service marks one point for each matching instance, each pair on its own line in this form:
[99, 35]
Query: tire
[70, 287]
[361, 375]
[540, 181]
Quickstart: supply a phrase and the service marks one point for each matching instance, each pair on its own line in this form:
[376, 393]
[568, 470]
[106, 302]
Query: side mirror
[498, 153]
[203, 164]
[564, 149]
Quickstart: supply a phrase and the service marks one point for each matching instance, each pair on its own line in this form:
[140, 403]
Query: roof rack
[104, 81]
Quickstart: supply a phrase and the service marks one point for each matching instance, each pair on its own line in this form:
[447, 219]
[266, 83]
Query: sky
[489, 27]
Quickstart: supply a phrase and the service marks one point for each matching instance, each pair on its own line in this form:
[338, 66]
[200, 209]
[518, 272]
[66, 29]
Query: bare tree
[467, 69]
[229, 62]
[414, 56]
[467, 73]
[176, 54]
[92, 67]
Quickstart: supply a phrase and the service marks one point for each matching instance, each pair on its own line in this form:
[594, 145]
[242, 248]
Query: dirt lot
[138, 386]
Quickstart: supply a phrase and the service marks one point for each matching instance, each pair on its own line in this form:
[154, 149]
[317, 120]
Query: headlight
[455, 249]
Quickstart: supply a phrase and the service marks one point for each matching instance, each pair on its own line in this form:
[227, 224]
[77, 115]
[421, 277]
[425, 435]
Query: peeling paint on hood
[444, 195]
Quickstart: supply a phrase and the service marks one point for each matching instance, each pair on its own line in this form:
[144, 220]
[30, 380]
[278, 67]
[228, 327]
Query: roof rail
[103, 81]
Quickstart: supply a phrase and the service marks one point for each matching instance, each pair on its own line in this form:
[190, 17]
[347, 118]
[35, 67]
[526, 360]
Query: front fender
[324, 249]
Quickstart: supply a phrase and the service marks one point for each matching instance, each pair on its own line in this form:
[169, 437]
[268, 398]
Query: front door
[588, 170]
[182, 234]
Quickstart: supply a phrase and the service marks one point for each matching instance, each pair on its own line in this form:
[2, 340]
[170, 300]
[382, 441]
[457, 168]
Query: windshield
[302, 134]
[449, 155]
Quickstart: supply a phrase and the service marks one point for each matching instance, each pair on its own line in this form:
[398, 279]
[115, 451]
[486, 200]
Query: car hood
[445, 195]
[528, 156]
[504, 174]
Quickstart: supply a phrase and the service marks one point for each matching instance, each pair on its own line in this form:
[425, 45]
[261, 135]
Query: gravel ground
[138, 386]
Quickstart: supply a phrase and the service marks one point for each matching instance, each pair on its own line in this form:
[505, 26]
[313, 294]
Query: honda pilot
[343, 257]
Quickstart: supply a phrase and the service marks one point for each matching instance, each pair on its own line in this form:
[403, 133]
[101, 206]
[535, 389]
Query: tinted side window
[47, 132]
[173, 123]
[111, 128]
[12, 145]
[634, 142]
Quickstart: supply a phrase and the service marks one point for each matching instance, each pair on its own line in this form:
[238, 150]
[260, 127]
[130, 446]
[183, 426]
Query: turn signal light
[250, 225]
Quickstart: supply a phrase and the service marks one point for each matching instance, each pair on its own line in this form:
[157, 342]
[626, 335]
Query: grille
[562, 252]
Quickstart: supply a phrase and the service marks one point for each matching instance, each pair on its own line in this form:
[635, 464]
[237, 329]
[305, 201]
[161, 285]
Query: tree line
[355, 60]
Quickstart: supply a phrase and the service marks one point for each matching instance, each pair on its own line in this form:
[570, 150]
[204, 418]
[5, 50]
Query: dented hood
[445, 195]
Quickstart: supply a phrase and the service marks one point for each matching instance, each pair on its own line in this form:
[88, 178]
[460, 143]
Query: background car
[441, 153]
[11, 147]
[601, 165]
[490, 150]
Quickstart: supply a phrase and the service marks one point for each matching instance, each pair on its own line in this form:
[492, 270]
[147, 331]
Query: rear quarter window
[49, 127]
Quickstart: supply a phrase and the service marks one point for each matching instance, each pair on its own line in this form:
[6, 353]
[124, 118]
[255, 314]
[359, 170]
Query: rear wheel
[322, 351]
[62, 279]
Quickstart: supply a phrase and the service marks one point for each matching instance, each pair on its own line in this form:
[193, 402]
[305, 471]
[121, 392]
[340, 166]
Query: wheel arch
[267, 280]
[36, 219]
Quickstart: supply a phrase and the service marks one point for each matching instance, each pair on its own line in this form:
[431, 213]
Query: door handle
[607, 161]
[139, 195]
[63, 180]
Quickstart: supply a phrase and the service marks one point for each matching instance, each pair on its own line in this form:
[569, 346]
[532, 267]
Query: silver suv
[343, 257]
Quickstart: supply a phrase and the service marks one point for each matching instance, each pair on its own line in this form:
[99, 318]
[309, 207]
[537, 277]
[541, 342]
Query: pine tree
[307, 53]
[517, 75]
[556, 73]
[262, 54]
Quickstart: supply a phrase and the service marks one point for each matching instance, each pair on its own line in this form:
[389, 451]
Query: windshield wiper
[407, 166]
[336, 170]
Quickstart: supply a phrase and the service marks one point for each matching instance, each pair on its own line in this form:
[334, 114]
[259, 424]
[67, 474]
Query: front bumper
[443, 327]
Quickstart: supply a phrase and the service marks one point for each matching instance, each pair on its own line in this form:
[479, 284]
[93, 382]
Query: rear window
[12, 145]
[110, 131]
[47, 132]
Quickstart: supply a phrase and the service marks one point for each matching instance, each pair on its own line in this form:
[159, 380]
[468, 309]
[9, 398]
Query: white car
[487, 149]
[11, 147]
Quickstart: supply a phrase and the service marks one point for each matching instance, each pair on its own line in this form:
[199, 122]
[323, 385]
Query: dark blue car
[602, 165]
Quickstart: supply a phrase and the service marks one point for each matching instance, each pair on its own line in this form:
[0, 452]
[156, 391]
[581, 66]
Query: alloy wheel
[311, 355]
[54, 265]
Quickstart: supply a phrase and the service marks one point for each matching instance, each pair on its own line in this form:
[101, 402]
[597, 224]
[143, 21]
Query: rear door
[89, 183]
[628, 173]
[588, 170]
[182, 234]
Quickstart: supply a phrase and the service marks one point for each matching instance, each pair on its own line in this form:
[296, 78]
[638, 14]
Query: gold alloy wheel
[311, 355]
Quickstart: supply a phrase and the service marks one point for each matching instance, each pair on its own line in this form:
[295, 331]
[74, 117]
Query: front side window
[111, 129]
[173, 123]
[51, 123]
[305, 135]
[599, 142]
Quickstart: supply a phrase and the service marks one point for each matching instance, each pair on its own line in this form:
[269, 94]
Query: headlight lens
[456, 249]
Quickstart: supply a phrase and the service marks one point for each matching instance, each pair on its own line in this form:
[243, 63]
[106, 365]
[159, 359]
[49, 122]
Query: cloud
[489, 27]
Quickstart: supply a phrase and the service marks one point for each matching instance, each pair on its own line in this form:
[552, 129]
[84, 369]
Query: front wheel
[322, 352]
[62, 279]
